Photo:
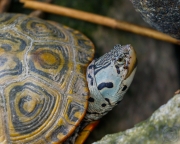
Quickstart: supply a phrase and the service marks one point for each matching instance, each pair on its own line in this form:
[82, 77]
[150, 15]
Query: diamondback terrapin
[48, 93]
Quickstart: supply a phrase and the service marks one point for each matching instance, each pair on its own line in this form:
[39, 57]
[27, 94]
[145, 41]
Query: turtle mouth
[130, 64]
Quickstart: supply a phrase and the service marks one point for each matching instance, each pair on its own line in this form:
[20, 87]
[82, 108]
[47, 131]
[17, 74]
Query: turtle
[52, 90]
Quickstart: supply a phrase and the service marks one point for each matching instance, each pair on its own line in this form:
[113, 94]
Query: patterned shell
[43, 89]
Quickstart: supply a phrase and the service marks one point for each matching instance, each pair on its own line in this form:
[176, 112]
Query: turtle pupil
[120, 59]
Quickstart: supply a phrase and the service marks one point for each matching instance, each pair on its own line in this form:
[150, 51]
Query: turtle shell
[43, 88]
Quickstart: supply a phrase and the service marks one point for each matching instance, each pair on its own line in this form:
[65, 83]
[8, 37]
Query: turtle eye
[120, 59]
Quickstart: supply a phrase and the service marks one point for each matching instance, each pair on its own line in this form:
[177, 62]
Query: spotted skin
[105, 85]
[43, 88]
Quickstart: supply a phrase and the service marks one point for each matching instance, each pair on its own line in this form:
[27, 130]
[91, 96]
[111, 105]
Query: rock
[162, 127]
[164, 15]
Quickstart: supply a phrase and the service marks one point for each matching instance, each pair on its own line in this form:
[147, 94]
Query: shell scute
[9, 20]
[32, 107]
[61, 131]
[40, 30]
[13, 47]
[73, 111]
[3, 136]
[84, 47]
[78, 88]
[83, 57]
[51, 62]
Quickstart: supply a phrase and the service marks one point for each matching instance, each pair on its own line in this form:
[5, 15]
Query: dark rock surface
[163, 15]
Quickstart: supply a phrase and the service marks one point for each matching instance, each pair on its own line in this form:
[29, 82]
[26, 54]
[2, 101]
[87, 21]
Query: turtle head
[109, 77]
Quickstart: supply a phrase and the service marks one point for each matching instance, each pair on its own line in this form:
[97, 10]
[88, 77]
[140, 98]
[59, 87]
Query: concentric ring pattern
[42, 80]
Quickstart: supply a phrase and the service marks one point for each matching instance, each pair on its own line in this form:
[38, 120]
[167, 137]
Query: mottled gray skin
[164, 15]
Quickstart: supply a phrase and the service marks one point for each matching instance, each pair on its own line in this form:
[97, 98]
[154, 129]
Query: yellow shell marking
[48, 58]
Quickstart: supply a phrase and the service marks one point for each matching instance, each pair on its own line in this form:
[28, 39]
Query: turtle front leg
[83, 135]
